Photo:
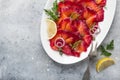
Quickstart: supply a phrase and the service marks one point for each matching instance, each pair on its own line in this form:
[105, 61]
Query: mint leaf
[104, 52]
[110, 46]
[102, 48]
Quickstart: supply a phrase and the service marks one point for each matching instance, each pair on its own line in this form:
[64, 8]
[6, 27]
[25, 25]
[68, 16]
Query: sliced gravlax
[92, 5]
[82, 28]
[69, 51]
[88, 39]
[101, 3]
[90, 17]
[68, 37]
[68, 9]
[100, 15]
[82, 47]
[66, 25]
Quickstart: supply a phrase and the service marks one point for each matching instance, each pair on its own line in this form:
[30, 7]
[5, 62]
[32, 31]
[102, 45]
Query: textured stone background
[22, 56]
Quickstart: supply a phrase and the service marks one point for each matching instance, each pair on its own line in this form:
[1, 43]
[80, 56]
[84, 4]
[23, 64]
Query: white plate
[104, 26]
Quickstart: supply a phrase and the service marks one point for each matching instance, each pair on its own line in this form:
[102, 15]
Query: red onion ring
[95, 30]
[59, 42]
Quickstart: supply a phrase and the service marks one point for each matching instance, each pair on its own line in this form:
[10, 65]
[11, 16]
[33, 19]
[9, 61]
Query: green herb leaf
[51, 14]
[76, 44]
[61, 0]
[110, 46]
[102, 48]
[55, 7]
[93, 25]
[105, 7]
[104, 52]
[60, 51]
[53, 11]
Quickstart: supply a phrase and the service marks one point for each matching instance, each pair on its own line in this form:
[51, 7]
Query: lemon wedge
[103, 63]
[51, 28]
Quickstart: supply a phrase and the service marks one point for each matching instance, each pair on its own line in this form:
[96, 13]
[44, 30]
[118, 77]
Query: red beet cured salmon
[76, 20]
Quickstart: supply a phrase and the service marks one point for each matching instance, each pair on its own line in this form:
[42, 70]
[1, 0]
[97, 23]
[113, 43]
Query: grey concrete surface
[22, 56]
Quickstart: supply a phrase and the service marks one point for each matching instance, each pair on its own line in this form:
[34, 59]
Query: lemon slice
[51, 28]
[103, 63]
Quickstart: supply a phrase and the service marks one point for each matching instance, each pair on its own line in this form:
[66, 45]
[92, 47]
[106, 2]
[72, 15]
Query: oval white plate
[104, 26]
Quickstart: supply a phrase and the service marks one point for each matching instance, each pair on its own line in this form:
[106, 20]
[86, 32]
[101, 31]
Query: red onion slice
[59, 42]
[95, 30]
